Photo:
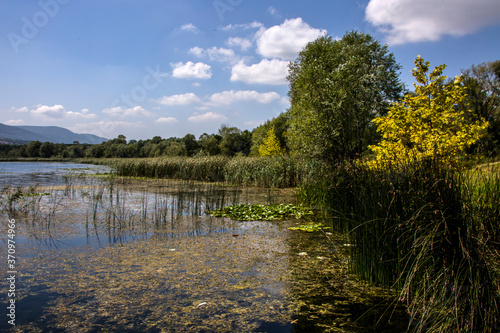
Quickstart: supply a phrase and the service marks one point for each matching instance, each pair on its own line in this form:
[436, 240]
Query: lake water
[104, 254]
[96, 254]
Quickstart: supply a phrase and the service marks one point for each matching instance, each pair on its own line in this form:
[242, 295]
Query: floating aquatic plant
[310, 227]
[247, 212]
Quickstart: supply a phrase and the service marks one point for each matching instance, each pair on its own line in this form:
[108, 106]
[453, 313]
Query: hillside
[53, 134]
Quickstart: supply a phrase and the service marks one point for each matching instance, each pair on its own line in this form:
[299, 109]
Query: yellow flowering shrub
[428, 123]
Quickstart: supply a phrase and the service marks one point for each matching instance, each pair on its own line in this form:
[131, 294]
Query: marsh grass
[275, 171]
[429, 231]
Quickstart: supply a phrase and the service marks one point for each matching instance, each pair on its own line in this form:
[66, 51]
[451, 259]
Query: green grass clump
[246, 212]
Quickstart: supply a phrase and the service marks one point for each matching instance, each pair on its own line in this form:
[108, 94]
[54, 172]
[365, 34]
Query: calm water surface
[104, 254]
[97, 254]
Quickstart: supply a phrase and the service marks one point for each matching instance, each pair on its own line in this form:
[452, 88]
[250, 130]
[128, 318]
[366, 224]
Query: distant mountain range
[55, 134]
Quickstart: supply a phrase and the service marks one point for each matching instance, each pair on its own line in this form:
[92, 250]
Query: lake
[97, 253]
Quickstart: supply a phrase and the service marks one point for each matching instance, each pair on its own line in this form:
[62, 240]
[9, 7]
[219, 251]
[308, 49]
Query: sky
[145, 68]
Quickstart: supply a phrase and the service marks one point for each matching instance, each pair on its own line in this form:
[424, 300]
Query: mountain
[46, 133]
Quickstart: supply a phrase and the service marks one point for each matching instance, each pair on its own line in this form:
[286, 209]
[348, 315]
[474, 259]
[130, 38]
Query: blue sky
[145, 68]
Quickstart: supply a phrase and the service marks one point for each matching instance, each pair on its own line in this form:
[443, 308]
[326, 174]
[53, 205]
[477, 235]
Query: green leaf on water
[247, 212]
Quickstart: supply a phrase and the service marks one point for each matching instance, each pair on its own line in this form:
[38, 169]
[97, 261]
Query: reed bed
[276, 171]
[428, 231]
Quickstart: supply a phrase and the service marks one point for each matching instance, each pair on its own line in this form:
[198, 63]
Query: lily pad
[246, 212]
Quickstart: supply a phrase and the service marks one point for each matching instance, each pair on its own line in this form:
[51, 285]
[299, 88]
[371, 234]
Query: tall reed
[427, 230]
[275, 171]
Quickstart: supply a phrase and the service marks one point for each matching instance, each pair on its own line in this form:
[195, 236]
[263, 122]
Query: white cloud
[267, 71]
[285, 41]
[243, 43]
[253, 25]
[166, 120]
[209, 116]
[45, 111]
[191, 70]
[21, 109]
[231, 96]
[189, 27]
[215, 54]
[407, 21]
[84, 114]
[14, 122]
[118, 111]
[58, 112]
[180, 99]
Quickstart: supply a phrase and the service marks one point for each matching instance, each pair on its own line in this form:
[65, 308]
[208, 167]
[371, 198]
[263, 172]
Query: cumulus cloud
[189, 27]
[231, 96]
[45, 111]
[118, 111]
[285, 41]
[243, 43]
[267, 71]
[166, 120]
[215, 54]
[191, 70]
[407, 21]
[180, 99]
[209, 116]
[58, 112]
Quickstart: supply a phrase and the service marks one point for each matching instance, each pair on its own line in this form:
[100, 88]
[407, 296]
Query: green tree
[47, 149]
[428, 124]
[270, 145]
[33, 149]
[233, 140]
[280, 124]
[336, 88]
[191, 144]
[482, 86]
[210, 143]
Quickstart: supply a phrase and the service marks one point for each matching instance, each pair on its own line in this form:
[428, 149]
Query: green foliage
[270, 144]
[246, 212]
[234, 140]
[311, 227]
[280, 124]
[482, 88]
[336, 88]
[428, 124]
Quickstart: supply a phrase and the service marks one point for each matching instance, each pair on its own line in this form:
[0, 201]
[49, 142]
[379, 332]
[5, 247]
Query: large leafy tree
[429, 123]
[482, 86]
[336, 88]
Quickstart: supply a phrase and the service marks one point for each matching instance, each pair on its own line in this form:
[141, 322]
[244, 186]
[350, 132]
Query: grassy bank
[429, 231]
